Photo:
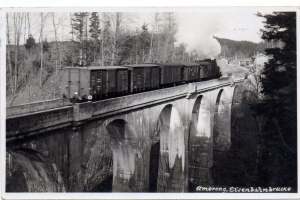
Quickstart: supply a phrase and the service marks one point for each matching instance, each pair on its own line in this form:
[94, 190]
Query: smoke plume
[196, 30]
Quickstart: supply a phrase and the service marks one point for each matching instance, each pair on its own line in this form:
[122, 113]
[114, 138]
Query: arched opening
[171, 151]
[153, 168]
[98, 155]
[219, 109]
[105, 185]
[235, 140]
[244, 137]
[28, 171]
[221, 138]
[199, 144]
[123, 157]
[195, 116]
[202, 120]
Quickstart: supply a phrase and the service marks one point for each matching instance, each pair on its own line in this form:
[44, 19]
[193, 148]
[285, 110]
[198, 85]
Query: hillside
[32, 92]
[240, 49]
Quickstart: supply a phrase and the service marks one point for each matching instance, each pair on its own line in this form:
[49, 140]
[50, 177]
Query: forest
[40, 45]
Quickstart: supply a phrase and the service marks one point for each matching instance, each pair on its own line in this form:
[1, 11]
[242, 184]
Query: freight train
[102, 82]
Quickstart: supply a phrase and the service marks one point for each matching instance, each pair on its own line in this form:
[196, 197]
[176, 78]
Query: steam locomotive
[102, 82]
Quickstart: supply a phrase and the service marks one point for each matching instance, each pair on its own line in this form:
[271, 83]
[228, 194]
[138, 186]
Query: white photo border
[180, 8]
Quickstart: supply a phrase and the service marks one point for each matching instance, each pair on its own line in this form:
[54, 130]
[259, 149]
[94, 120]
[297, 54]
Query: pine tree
[279, 104]
[78, 29]
[144, 43]
[30, 42]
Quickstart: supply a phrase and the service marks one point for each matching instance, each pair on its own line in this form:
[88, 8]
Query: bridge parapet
[36, 106]
[32, 123]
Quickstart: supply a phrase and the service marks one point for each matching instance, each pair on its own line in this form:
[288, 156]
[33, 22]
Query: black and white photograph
[158, 100]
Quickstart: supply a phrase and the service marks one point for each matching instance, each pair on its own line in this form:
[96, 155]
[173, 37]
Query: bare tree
[58, 53]
[157, 39]
[116, 37]
[18, 19]
[107, 39]
[154, 31]
[57, 44]
[8, 51]
[41, 48]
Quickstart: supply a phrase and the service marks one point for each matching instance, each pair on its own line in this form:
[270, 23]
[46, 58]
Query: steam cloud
[196, 30]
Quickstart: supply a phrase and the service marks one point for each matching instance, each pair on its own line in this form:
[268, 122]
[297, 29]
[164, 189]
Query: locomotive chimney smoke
[196, 30]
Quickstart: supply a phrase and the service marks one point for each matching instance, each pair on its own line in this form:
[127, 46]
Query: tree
[279, 104]
[117, 23]
[170, 29]
[18, 20]
[144, 43]
[95, 32]
[107, 41]
[79, 24]
[41, 48]
[30, 42]
[57, 43]
[8, 58]
[126, 48]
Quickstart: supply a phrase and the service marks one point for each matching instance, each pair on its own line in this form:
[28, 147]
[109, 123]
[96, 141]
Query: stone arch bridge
[168, 140]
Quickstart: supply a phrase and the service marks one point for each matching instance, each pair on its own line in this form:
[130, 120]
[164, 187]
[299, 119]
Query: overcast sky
[195, 28]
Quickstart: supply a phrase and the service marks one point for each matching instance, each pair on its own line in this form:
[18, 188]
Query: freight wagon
[143, 77]
[171, 75]
[192, 73]
[99, 82]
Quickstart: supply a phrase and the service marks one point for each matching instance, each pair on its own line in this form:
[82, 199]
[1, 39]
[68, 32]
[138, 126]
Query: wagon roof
[98, 67]
[142, 65]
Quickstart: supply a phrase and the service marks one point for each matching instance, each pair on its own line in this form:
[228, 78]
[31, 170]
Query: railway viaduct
[168, 140]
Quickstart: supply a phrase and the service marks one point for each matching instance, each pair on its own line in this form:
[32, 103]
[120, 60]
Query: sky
[195, 28]
[198, 29]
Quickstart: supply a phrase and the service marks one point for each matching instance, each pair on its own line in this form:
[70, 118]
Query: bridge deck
[44, 120]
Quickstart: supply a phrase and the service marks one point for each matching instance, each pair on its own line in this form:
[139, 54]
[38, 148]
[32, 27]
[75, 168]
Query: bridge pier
[75, 160]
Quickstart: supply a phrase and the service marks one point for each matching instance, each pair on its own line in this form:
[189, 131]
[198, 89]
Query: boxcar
[98, 81]
[192, 72]
[143, 77]
[171, 75]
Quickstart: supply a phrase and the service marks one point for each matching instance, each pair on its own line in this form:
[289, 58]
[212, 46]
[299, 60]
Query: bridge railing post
[82, 111]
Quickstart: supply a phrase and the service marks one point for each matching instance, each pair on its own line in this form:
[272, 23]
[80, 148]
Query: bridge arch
[235, 138]
[167, 152]
[29, 171]
[221, 133]
[200, 141]
[218, 117]
[244, 135]
[122, 146]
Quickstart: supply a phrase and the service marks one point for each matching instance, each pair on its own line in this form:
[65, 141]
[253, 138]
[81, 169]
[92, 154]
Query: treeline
[102, 39]
[94, 39]
[277, 106]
